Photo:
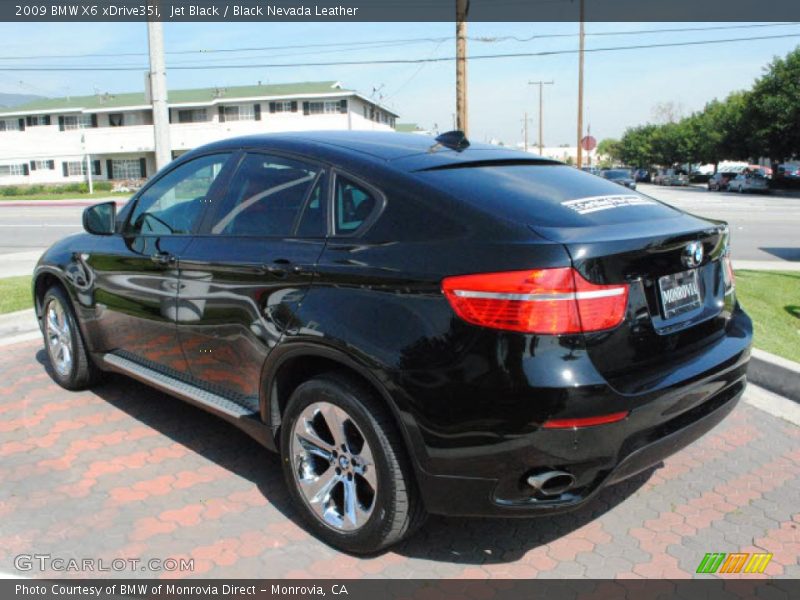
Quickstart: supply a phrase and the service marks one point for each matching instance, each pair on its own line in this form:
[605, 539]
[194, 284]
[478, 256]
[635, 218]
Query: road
[764, 228]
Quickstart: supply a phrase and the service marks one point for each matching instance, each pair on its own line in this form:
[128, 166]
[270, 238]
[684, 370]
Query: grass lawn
[65, 196]
[772, 299]
[15, 293]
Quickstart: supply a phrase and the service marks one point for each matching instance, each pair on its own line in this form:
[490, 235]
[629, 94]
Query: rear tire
[72, 368]
[346, 467]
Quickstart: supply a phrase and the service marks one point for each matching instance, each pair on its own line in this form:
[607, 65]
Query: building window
[239, 113]
[13, 170]
[193, 115]
[328, 107]
[116, 119]
[77, 122]
[126, 169]
[37, 120]
[41, 165]
[282, 106]
[9, 125]
[75, 168]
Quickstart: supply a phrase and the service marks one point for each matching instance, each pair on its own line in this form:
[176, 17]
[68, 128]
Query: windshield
[617, 174]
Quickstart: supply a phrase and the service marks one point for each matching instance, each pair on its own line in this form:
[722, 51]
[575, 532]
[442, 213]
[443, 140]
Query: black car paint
[468, 401]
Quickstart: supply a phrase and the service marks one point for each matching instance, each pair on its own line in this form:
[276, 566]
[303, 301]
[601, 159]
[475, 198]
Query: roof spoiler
[455, 140]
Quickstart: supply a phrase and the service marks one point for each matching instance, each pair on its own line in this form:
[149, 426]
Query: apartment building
[57, 140]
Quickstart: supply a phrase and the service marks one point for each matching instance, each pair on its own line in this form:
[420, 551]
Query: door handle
[162, 258]
[281, 267]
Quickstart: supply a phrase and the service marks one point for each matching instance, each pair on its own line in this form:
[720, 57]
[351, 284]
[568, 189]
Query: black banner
[375, 589]
[398, 10]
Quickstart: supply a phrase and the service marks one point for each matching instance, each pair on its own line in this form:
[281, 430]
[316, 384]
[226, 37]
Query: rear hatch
[679, 285]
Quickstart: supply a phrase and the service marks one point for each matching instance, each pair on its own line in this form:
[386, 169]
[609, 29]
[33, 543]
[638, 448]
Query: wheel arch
[43, 279]
[283, 373]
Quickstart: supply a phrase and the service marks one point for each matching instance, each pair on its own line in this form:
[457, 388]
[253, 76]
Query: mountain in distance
[12, 100]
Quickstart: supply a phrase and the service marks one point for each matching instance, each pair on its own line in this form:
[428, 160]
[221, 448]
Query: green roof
[202, 95]
[407, 127]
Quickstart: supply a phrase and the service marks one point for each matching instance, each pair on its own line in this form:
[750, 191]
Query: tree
[773, 109]
[636, 146]
[610, 149]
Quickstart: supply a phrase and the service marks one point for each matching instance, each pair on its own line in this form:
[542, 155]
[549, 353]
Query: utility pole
[462, 6]
[525, 129]
[158, 93]
[580, 88]
[541, 136]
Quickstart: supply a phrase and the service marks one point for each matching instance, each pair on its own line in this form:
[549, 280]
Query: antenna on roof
[455, 140]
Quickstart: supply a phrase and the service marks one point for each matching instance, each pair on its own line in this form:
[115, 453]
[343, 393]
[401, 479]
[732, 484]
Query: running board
[245, 417]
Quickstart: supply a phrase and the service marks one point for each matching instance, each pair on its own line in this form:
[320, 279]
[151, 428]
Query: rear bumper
[511, 496]
[493, 482]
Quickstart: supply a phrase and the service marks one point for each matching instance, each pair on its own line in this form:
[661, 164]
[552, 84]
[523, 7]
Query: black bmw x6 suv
[416, 325]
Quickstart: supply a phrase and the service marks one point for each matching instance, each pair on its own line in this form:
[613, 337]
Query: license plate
[680, 293]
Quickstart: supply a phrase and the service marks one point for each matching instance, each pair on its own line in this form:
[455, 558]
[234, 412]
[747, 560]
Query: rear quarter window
[547, 195]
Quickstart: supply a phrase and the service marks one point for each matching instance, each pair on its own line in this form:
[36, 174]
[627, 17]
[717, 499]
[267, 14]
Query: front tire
[346, 467]
[72, 368]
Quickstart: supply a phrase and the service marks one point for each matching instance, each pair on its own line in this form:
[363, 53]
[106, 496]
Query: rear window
[546, 195]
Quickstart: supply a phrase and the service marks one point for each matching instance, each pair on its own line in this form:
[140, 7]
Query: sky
[622, 88]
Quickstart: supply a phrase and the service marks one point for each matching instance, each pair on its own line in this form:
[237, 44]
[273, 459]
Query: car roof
[403, 151]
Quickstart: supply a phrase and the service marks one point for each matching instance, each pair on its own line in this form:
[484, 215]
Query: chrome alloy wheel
[59, 337]
[333, 466]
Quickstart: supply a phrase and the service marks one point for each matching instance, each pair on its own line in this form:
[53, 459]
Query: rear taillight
[727, 272]
[547, 301]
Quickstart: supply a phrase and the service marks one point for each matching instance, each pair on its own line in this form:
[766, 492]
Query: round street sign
[588, 143]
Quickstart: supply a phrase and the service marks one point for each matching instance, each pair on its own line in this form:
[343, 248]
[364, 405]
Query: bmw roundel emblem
[693, 254]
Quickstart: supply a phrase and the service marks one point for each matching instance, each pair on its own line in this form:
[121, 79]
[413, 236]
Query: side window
[314, 223]
[265, 197]
[353, 204]
[174, 203]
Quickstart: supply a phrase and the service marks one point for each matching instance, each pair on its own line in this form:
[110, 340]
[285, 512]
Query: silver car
[749, 182]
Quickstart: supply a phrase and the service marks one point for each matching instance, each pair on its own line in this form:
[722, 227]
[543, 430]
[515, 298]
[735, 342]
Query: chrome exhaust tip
[551, 483]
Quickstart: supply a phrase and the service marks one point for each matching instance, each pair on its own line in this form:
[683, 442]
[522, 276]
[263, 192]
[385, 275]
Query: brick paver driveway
[124, 471]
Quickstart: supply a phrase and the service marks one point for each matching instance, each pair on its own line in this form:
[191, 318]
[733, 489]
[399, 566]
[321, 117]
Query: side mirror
[100, 219]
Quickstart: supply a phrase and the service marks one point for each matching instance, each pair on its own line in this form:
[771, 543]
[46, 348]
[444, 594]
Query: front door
[244, 275]
[135, 272]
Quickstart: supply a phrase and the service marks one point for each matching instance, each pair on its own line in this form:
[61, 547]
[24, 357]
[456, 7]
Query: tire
[72, 368]
[386, 503]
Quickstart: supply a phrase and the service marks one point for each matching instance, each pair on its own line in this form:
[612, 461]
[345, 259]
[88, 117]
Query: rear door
[244, 276]
[135, 272]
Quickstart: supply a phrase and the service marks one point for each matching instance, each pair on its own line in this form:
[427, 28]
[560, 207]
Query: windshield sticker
[584, 206]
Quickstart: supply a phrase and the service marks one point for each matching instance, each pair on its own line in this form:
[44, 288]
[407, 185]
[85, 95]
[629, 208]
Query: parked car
[670, 177]
[409, 340]
[621, 176]
[789, 171]
[719, 181]
[641, 176]
[749, 181]
[592, 170]
[762, 169]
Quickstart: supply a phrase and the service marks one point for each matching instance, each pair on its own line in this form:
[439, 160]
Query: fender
[288, 349]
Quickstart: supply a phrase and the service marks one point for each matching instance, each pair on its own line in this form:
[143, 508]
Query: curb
[775, 374]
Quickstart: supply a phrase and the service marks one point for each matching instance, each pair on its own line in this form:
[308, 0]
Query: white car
[749, 182]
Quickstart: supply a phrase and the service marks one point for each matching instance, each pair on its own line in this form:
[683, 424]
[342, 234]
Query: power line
[378, 43]
[410, 61]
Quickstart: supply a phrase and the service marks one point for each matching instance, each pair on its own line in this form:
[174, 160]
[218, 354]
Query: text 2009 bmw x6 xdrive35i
[416, 325]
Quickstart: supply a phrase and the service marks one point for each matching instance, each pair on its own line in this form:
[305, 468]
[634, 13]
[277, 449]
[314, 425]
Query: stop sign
[588, 143]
